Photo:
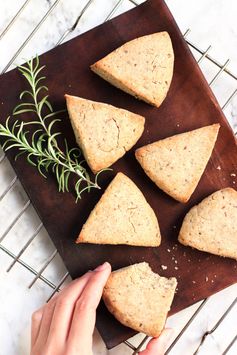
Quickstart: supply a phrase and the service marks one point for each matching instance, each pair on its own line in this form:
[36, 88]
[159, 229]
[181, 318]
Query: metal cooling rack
[38, 274]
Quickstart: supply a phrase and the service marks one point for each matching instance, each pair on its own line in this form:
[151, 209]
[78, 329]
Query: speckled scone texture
[142, 67]
[177, 163]
[122, 216]
[211, 226]
[103, 132]
[139, 298]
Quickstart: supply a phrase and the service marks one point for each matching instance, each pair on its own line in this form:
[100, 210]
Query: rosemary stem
[43, 145]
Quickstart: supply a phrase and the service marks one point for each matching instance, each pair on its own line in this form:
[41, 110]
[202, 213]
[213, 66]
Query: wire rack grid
[200, 54]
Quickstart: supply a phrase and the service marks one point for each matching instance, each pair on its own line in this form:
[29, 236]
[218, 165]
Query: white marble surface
[211, 22]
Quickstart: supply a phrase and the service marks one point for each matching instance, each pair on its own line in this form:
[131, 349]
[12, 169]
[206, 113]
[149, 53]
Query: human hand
[65, 325]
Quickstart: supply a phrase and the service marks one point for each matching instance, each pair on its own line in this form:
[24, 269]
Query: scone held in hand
[139, 298]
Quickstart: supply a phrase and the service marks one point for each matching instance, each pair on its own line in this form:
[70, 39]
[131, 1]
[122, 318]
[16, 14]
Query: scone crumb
[218, 168]
[232, 174]
[206, 278]
[164, 267]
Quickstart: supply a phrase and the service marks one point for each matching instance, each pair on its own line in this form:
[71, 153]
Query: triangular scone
[177, 163]
[211, 225]
[142, 67]
[103, 132]
[122, 216]
[139, 298]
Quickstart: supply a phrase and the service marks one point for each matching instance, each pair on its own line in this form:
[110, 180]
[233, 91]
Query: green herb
[41, 148]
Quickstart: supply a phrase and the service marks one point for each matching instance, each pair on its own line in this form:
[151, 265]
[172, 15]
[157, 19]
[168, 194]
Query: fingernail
[102, 267]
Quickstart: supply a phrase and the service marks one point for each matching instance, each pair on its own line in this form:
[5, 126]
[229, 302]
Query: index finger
[83, 321]
[61, 314]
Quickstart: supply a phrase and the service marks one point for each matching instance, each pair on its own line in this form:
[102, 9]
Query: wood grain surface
[190, 104]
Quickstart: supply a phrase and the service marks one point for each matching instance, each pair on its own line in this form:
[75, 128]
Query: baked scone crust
[122, 216]
[103, 132]
[139, 298]
[142, 67]
[211, 225]
[176, 164]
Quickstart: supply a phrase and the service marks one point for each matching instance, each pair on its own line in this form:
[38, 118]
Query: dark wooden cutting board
[190, 104]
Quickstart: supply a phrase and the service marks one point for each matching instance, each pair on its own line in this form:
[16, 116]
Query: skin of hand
[65, 325]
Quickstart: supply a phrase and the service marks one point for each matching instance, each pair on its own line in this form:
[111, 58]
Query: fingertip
[108, 266]
[104, 266]
[162, 341]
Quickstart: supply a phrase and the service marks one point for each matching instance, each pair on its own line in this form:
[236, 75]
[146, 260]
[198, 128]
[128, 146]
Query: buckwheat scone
[122, 216]
[176, 164]
[103, 132]
[142, 67]
[139, 298]
[211, 225]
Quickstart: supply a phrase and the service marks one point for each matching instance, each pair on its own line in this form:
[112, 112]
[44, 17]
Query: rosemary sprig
[41, 148]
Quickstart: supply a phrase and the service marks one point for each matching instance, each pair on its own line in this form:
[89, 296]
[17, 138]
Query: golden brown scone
[122, 216]
[103, 132]
[139, 298]
[211, 225]
[176, 164]
[142, 67]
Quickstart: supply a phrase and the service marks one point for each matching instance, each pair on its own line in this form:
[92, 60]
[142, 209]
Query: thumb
[157, 346]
